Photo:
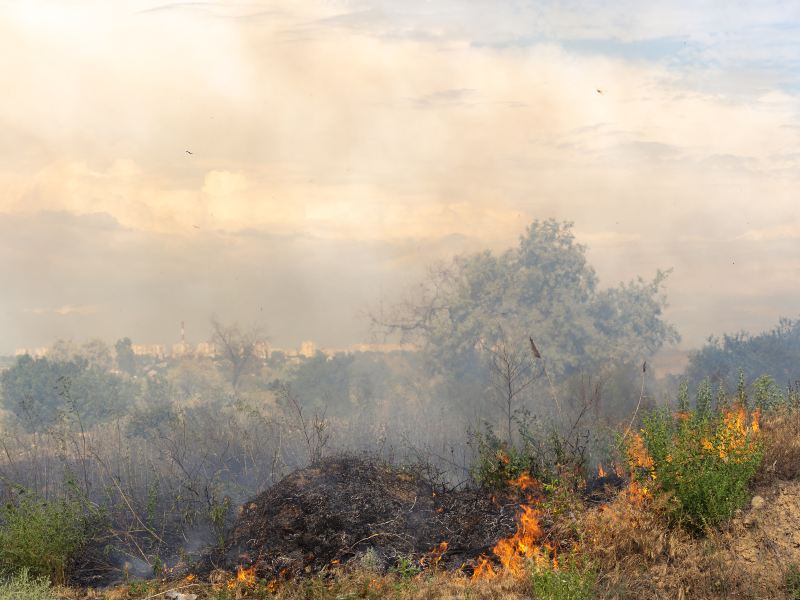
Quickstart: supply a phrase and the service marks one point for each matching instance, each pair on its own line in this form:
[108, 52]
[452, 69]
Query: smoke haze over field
[337, 147]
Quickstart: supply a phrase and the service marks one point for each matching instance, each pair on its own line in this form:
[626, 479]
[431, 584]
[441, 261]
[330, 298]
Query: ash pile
[341, 508]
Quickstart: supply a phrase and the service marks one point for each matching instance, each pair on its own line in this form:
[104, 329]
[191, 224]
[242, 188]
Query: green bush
[793, 582]
[540, 452]
[572, 581]
[22, 586]
[40, 537]
[704, 459]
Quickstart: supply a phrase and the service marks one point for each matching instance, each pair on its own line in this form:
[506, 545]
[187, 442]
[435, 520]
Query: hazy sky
[339, 146]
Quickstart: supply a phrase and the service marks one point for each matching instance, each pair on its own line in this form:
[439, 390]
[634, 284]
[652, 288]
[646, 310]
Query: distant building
[156, 350]
[261, 350]
[205, 350]
[32, 352]
[307, 349]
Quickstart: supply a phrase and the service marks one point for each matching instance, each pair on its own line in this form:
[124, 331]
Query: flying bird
[534, 349]
[599, 91]
[189, 152]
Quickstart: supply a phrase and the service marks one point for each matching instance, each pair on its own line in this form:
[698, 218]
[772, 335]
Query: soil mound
[342, 507]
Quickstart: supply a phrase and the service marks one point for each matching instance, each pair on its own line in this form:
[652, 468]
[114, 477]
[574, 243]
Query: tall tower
[183, 335]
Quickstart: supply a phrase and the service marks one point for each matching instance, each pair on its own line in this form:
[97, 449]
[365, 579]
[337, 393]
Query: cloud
[771, 234]
[67, 309]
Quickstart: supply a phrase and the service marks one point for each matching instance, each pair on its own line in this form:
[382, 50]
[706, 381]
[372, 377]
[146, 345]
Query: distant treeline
[775, 353]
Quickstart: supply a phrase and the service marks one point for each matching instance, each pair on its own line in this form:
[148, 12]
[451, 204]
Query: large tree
[543, 288]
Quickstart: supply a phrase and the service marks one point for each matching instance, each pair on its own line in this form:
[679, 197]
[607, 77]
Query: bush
[24, 587]
[540, 452]
[703, 459]
[40, 537]
[571, 581]
[792, 582]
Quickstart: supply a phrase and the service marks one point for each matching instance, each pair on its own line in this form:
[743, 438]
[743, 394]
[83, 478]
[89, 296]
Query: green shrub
[792, 582]
[704, 459]
[22, 586]
[406, 568]
[40, 537]
[571, 581]
[540, 452]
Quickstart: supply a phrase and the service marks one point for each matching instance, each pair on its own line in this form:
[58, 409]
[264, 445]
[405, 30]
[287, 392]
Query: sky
[288, 164]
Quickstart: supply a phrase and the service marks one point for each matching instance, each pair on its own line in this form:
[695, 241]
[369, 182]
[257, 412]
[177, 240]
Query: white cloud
[771, 234]
[66, 309]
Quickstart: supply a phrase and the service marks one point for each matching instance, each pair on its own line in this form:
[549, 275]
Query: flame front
[516, 552]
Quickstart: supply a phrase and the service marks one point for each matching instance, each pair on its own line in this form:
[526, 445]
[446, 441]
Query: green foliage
[741, 388]
[406, 568]
[142, 588]
[22, 586]
[126, 359]
[703, 401]
[705, 461]
[766, 393]
[218, 514]
[792, 582]
[496, 463]
[41, 536]
[542, 287]
[571, 581]
[540, 452]
[739, 357]
[683, 396]
[156, 409]
[40, 392]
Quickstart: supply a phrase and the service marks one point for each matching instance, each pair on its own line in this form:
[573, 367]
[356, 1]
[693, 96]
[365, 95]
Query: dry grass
[781, 434]
[640, 556]
[341, 585]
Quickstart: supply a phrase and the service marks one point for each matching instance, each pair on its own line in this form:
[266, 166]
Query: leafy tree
[126, 359]
[40, 391]
[323, 383]
[97, 354]
[775, 353]
[543, 288]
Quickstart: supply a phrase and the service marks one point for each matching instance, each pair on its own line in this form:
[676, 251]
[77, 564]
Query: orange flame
[516, 551]
[754, 425]
[524, 482]
[437, 553]
[600, 471]
[246, 577]
[638, 455]
[484, 569]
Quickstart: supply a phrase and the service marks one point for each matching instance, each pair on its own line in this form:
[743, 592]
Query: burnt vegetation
[522, 446]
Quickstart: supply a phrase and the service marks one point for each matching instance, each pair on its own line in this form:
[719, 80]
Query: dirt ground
[765, 539]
